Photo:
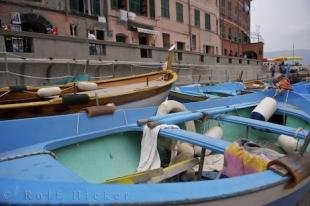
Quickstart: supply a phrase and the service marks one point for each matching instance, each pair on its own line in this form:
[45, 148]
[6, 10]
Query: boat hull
[142, 96]
[30, 175]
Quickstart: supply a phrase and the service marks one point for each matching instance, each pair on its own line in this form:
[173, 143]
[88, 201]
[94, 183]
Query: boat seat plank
[175, 169]
[155, 175]
[257, 124]
[136, 178]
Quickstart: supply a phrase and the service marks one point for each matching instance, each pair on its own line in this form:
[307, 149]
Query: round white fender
[214, 132]
[48, 92]
[289, 144]
[265, 109]
[87, 86]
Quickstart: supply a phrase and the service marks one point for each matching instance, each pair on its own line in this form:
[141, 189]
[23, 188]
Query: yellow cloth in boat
[239, 161]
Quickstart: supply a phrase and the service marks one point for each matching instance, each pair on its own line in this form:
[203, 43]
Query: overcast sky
[282, 23]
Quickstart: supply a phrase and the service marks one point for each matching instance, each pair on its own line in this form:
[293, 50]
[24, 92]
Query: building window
[18, 44]
[229, 9]
[180, 56]
[138, 6]
[202, 58]
[97, 49]
[95, 7]
[119, 4]
[180, 46]
[207, 21]
[229, 33]
[77, 6]
[73, 30]
[223, 31]
[193, 42]
[82, 7]
[165, 8]
[209, 49]
[146, 53]
[121, 38]
[197, 17]
[152, 8]
[100, 34]
[222, 3]
[166, 40]
[179, 10]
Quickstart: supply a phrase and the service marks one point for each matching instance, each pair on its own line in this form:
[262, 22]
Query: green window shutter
[134, 6]
[165, 8]
[74, 5]
[152, 8]
[114, 4]
[207, 21]
[197, 17]
[95, 7]
[179, 11]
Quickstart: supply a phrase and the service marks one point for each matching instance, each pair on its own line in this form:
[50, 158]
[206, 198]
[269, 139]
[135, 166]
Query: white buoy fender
[173, 106]
[288, 143]
[214, 132]
[48, 92]
[265, 109]
[87, 86]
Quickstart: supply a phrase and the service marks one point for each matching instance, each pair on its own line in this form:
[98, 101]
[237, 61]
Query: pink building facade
[192, 25]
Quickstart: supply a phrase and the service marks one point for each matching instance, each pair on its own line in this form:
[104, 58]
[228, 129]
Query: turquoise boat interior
[115, 155]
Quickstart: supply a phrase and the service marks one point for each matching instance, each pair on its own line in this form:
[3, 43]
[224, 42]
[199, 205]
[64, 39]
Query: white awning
[147, 31]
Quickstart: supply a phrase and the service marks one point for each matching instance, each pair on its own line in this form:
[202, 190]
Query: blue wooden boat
[80, 159]
[198, 92]
[302, 88]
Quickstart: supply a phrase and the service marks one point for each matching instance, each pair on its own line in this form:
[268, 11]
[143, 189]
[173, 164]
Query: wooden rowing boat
[198, 92]
[255, 84]
[148, 89]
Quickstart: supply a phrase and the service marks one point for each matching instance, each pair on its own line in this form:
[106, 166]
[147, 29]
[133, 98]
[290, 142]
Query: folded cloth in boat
[244, 157]
[149, 156]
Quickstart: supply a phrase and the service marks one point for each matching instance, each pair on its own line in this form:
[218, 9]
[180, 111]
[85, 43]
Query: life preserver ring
[171, 106]
[177, 148]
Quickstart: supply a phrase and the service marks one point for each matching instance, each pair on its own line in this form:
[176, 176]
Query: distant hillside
[298, 52]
